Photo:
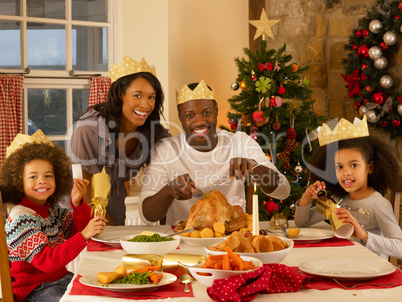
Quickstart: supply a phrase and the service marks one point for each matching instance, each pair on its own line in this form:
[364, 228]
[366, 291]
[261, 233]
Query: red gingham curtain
[11, 87]
[99, 90]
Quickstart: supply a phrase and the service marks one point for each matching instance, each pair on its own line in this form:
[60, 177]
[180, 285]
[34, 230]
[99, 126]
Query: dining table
[92, 262]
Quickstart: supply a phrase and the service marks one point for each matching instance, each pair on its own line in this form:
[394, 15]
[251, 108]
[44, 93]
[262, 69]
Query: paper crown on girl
[129, 66]
[201, 92]
[343, 130]
[22, 139]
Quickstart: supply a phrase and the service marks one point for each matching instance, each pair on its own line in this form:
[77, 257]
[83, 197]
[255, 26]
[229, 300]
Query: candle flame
[255, 187]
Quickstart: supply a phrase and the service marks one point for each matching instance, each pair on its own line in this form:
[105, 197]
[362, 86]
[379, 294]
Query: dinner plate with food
[213, 219]
[142, 279]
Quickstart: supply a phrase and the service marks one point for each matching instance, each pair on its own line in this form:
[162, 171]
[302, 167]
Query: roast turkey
[213, 207]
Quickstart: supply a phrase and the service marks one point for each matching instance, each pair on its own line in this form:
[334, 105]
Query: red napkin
[95, 246]
[334, 241]
[271, 278]
[324, 283]
[172, 290]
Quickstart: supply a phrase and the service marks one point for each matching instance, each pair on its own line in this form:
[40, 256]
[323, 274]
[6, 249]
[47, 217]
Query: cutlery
[185, 279]
[359, 284]
[181, 232]
[198, 193]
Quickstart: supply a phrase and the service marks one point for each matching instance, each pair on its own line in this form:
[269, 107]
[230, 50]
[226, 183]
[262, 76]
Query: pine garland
[367, 67]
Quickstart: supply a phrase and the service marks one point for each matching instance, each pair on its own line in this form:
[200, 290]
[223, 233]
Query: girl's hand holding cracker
[346, 217]
[95, 226]
[78, 191]
[311, 193]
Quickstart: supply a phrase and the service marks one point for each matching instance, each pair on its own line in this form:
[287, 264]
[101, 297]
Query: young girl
[42, 237]
[359, 171]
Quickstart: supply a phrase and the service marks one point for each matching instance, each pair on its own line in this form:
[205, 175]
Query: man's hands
[182, 187]
[78, 191]
[240, 167]
[95, 226]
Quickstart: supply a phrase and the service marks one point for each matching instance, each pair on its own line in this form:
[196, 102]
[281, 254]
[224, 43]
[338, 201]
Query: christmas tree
[367, 67]
[276, 109]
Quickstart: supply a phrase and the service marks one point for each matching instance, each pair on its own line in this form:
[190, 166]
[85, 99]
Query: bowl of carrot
[223, 266]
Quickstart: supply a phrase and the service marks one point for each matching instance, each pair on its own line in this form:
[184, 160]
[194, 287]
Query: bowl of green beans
[157, 243]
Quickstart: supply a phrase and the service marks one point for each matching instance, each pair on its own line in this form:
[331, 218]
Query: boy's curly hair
[373, 149]
[11, 171]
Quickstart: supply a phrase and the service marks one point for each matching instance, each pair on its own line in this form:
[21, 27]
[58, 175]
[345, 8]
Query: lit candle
[256, 223]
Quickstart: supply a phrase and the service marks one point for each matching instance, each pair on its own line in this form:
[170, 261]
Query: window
[60, 44]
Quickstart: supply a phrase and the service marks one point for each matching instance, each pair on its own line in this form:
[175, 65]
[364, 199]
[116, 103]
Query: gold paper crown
[22, 139]
[343, 130]
[129, 66]
[201, 92]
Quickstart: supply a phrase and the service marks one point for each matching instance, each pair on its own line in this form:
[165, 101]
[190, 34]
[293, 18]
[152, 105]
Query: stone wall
[315, 32]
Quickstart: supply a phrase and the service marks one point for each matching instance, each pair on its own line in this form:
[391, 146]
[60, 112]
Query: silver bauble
[381, 62]
[389, 38]
[298, 168]
[372, 116]
[375, 26]
[375, 52]
[235, 85]
[399, 109]
[362, 110]
[386, 81]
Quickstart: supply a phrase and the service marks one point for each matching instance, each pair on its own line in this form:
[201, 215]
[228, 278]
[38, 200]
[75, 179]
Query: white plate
[92, 280]
[202, 241]
[107, 238]
[308, 235]
[347, 269]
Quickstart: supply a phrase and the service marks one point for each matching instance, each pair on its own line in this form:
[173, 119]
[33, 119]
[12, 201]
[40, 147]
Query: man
[203, 158]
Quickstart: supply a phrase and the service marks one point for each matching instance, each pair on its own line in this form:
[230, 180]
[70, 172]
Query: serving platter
[92, 280]
[347, 269]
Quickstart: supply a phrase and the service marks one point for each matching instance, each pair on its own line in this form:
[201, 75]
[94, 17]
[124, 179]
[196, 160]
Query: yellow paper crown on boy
[343, 130]
[201, 92]
[129, 66]
[22, 139]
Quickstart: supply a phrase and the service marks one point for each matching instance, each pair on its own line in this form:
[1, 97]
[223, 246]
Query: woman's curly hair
[12, 169]
[373, 149]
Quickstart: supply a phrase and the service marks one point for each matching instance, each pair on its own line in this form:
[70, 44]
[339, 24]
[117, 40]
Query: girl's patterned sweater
[41, 241]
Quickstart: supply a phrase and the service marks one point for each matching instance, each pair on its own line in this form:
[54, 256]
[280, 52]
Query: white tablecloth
[109, 260]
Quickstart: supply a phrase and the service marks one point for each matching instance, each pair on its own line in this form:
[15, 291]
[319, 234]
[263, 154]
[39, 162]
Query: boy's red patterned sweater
[41, 241]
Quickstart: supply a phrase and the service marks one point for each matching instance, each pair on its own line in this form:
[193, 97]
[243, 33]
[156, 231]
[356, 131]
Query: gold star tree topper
[263, 26]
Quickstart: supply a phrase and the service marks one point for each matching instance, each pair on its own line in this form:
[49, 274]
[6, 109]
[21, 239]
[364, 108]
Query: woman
[120, 133]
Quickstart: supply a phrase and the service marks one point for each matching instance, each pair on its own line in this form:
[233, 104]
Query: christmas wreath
[368, 79]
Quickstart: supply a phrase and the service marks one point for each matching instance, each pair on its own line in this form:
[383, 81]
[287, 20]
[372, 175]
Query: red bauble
[400, 5]
[365, 33]
[363, 51]
[384, 46]
[281, 90]
[396, 123]
[399, 98]
[364, 101]
[271, 207]
[276, 126]
[291, 133]
[258, 116]
[355, 47]
[396, 17]
[357, 105]
[379, 98]
[253, 77]
[384, 124]
[359, 33]
[364, 66]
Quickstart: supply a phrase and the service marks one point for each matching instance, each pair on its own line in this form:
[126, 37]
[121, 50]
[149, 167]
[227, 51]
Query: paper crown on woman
[201, 92]
[343, 130]
[129, 66]
[22, 139]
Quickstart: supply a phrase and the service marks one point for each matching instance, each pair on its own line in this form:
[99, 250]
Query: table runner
[94, 246]
[173, 290]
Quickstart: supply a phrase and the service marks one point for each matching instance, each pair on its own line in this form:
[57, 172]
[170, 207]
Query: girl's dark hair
[12, 169]
[111, 110]
[372, 148]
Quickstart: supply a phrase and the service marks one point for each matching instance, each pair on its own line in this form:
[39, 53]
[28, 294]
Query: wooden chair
[5, 277]
[395, 199]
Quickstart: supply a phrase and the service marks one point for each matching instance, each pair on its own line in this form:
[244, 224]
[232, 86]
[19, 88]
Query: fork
[359, 284]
